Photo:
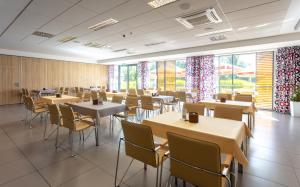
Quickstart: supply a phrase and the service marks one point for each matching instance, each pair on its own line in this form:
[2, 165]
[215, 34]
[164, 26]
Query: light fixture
[262, 25]
[67, 39]
[242, 28]
[214, 32]
[185, 23]
[159, 3]
[103, 24]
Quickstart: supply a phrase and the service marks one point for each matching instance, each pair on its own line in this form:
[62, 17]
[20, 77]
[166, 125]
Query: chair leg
[145, 166]
[56, 139]
[157, 176]
[45, 130]
[71, 142]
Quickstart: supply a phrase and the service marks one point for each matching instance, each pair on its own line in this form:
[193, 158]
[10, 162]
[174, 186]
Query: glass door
[128, 77]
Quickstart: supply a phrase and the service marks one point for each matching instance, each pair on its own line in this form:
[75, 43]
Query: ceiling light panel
[103, 24]
[214, 32]
[159, 3]
[67, 39]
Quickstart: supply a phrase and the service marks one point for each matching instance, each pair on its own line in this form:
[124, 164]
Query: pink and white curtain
[200, 75]
[113, 77]
[287, 77]
[143, 75]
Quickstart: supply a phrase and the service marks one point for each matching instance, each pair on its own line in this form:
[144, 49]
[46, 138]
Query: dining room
[141, 93]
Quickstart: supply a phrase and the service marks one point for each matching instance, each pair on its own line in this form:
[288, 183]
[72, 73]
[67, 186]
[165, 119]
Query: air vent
[103, 24]
[119, 50]
[199, 18]
[217, 38]
[43, 34]
[153, 44]
[94, 45]
[67, 39]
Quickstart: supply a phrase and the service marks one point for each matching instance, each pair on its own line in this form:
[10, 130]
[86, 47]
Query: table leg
[97, 126]
[240, 166]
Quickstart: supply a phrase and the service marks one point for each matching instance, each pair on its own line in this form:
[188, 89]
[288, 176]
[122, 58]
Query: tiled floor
[27, 160]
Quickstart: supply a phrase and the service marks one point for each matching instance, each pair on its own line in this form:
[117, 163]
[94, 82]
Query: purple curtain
[143, 75]
[200, 75]
[287, 77]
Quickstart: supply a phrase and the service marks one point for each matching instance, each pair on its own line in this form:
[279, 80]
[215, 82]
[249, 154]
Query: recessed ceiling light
[214, 32]
[159, 3]
[262, 25]
[242, 28]
[155, 43]
[103, 24]
[67, 39]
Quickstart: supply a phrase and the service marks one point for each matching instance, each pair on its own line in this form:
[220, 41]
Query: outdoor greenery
[296, 95]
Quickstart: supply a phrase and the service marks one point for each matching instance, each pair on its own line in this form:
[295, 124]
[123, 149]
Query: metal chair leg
[71, 143]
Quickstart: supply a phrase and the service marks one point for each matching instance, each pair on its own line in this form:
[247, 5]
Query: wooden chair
[148, 105]
[197, 162]
[228, 112]
[102, 95]
[243, 97]
[172, 103]
[35, 109]
[87, 97]
[132, 104]
[194, 107]
[73, 123]
[123, 90]
[181, 97]
[76, 89]
[132, 92]
[117, 99]
[66, 91]
[140, 92]
[140, 145]
[79, 95]
[55, 119]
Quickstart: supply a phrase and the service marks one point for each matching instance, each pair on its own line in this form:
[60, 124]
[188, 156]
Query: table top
[228, 102]
[58, 100]
[228, 134]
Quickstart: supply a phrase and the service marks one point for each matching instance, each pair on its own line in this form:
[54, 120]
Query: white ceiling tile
[55, 27]
[101, 6]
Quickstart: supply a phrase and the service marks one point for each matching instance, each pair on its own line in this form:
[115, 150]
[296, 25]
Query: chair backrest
[194, 107]
[161, 92]
[102, 94]
[243, 97]
[26, 92]
[132, 92]
[54, 114]
[87, 96]
[147, 102]
[139, 143]
[79, 94]
[61, 89]
[132, 102]
[117, 99]
[186, 152]
[26, 98]
[76, 89]
[140, 92]
[181, 95]
[68, 117]
[81, 89]
[30, 103]
[228, 112]
[94, 95]
[224, 95]
[123, 90]
[170, 93]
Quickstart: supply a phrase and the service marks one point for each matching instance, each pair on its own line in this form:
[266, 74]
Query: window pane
[123, 77]
[170, 75]
[161, 76]
[244, 69]
[224, 71]
[180, 74]
[153, 75]
[132, 77]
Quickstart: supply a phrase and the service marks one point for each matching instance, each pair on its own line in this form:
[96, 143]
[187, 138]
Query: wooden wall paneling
[34, 73]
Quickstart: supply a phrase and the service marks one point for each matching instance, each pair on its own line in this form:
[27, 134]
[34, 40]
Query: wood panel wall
[35, 73]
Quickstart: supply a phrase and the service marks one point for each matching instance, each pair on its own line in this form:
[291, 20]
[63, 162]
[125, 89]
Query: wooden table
[98, 111]
[247, 107]
[228, 134]
[111, 94]
[59, 100]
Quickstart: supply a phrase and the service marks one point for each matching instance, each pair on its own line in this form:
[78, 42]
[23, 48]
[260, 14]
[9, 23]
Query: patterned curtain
[143, 75]
[200, 75]
[287, 77]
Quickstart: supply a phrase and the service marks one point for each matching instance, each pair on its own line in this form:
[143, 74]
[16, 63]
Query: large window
[180, 75]
[128, 77]
[249, 73]
[152, 75]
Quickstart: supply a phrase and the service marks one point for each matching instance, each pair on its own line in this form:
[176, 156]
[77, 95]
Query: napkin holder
[58, 95]
[193, 117]
[223, 100]
[95, 102]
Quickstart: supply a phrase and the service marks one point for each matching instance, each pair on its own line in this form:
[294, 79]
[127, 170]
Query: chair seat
[160, 141]
[161, 152]
[40, 110]
[83, 124]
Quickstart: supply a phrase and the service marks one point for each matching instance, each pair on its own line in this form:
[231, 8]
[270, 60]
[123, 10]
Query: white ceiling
[138, 21]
